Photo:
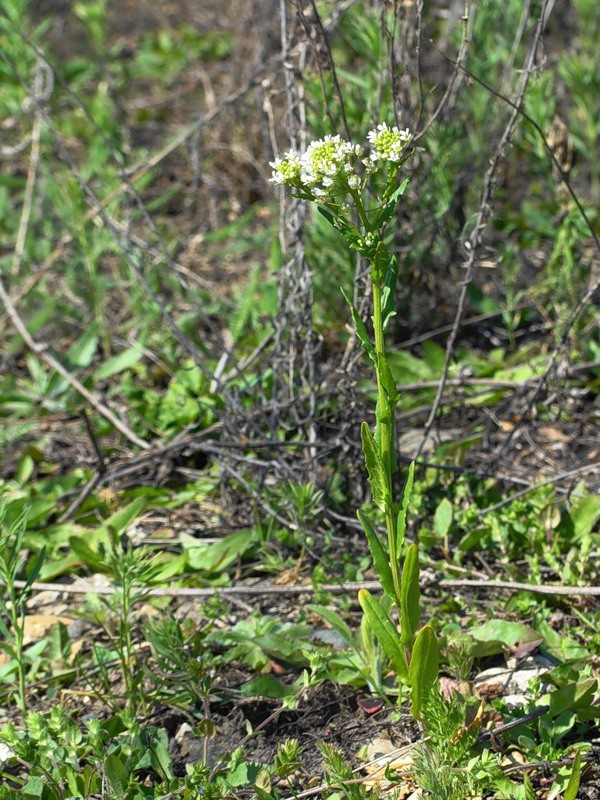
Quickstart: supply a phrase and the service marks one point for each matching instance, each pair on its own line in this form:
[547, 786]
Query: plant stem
[385, 423]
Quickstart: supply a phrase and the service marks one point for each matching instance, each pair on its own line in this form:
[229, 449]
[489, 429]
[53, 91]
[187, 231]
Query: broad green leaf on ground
[442, 519]
[267, 686]
[498, 635]
[559, 645]
[584, 516]
[218, 556]
[116, 774]
[119, 363]
[574, 697]
[118, 522]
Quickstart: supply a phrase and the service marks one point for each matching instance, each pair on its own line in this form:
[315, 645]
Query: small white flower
[353, 181]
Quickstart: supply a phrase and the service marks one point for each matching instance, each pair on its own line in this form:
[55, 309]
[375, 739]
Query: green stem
[385, 421]
[18, 622]
[360, 208]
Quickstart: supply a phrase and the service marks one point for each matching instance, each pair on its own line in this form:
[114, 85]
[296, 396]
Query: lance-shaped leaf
[410, 597]
[388, 209]
[385, 631]
[380, 557]
[573, 786]
[423, 672]
[379, 263]
[404, 503]
[375, 468]
[336, 622]
[35, 570]
[361, 330]
[387, 381]
[335, 221]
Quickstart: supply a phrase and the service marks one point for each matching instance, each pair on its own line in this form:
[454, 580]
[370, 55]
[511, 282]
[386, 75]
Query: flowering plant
[337, 175]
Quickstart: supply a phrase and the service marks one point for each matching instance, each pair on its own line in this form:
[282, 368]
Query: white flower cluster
[388, 144]
[331, 162]
[325, 162]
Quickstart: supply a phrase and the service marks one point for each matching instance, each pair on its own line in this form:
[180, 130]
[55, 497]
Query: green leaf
[387, 380]
[528, 786]
[34, 787]
[442, 519]
[35, 569]
[86, 554]
[361, 331]
[5, 646]
[118, 522]
[385, 631]
[497, 635]
[380, 556]
[559, 645]
[404, 503]
[388, 298]
[116, 774]
[574, 778]
[375, 468]
[157, 742]
[82, 352]
[584, 516]
[266, 686]
[218, 556]
[380, 262]
[424, 664]
[410, 597]
[327, 214]
[399, 191]
[118, 363]
[336, 622]
[389, 208]
[573, 697]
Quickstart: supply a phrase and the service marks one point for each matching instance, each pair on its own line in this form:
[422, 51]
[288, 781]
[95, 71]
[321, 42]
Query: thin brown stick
[257, 590]
[536, 588]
